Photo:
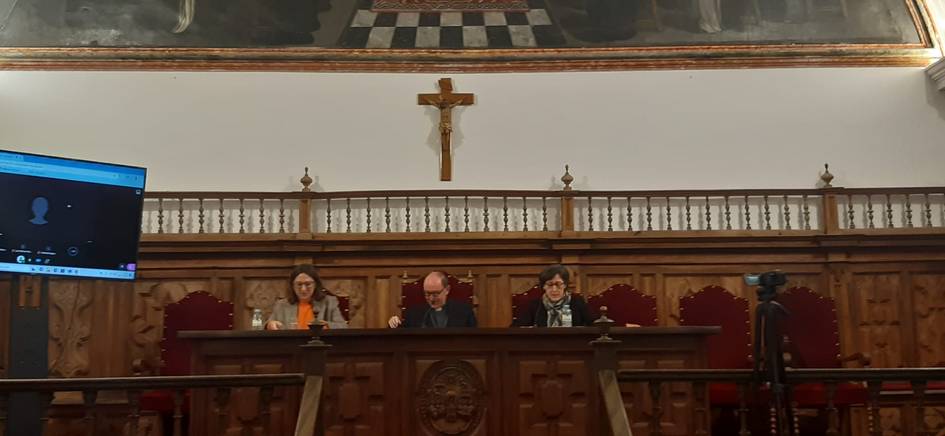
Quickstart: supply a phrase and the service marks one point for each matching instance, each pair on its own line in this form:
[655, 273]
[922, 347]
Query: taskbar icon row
[67, 271]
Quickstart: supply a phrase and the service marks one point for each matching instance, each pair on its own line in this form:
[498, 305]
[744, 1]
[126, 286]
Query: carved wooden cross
[445, 101]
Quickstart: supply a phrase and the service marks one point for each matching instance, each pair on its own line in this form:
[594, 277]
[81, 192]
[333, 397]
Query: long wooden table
[525, 381]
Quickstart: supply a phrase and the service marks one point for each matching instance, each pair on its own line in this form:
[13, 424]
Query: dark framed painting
[463, 35]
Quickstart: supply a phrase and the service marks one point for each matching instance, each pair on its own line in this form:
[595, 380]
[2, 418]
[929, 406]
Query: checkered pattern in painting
[452, 30]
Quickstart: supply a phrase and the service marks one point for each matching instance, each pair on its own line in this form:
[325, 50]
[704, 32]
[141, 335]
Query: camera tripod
[769, 360]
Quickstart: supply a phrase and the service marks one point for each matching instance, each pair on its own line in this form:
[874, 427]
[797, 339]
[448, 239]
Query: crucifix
[445, 101]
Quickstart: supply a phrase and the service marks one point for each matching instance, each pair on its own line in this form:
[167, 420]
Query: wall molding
[937, 72]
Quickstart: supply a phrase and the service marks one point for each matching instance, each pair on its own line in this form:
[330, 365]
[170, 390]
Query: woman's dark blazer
[537, 316]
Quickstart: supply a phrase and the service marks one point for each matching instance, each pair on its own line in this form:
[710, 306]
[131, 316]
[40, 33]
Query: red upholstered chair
[411, 293]
[731, 349]
[625, 305]
[521, 301]
[812, 340]
[196, 311]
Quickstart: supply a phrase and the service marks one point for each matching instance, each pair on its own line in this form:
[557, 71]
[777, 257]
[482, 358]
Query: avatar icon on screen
[40, 208]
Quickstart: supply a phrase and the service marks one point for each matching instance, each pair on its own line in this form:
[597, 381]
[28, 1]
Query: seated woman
[307, 302]
[557, 307]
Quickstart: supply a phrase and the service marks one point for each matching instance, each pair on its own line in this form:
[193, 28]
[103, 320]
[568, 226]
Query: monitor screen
[67, 217]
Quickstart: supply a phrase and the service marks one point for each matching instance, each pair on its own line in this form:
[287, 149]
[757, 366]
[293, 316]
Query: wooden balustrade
[134, 387]
[522, 212]
[874, 380]
[311, 380]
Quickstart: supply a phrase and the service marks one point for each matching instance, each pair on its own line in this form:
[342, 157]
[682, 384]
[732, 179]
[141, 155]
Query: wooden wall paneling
[676, 402]
[354, 289]
[891, 422]
[70, 326]
[118, 314]
[147, 319]
[378, 302]
[359, 303]
[136, 316]
[635, 398]
[907, 321]
[935, 420]
[519, 283]
[485, 310]
[255, 293]
[579, 277]
[552, 397]
[928, 308]
[677, 285]
[598, 283]
[360, 382]
[840, 287]
[664, 312]
[393, 296]
[466, 379]
[111, 417]
[265, 292]
[514, 284]
[875, 298]
[110, 312]
[499, 292]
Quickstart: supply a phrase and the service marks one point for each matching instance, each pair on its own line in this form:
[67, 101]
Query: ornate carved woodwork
[928, 291]
[70, 318]
[889, 289]
[426, 382]
[450, 398]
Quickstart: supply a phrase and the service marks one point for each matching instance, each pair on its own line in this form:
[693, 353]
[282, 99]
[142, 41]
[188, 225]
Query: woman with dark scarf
[557, 307]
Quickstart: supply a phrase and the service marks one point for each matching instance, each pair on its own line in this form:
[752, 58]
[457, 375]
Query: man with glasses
[439, 311]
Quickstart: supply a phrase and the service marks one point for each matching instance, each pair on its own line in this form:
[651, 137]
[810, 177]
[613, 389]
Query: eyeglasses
[434, 294]
[304, 284]
[555, 284]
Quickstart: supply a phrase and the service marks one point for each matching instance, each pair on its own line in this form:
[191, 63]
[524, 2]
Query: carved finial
[603, 314]
[316, 329]
[306, 181]
[468, 278]
[826, 177]
[604, 324]
[567, 178]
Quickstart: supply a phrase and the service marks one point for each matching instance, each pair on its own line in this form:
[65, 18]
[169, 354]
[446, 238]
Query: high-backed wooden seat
[625, 305]
[411, 292]
[521, 301]
[344, 304]
[196, 311]
[812, 340]
[730, 349]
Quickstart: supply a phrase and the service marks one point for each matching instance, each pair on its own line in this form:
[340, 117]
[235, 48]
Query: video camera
[770, 279]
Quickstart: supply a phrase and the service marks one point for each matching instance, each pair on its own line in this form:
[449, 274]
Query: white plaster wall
[617, 130]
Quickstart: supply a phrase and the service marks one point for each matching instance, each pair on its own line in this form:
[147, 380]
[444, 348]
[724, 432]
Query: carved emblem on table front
[450, 398]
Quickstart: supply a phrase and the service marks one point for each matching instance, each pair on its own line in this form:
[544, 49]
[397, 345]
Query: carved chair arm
[861, 359]
[142, 367]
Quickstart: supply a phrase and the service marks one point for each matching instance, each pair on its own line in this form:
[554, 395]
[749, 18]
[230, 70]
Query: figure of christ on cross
[445, 101]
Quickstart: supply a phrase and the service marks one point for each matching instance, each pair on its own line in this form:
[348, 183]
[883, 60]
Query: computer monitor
[68, 217]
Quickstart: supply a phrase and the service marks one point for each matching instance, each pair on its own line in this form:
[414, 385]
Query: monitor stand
[29, 352]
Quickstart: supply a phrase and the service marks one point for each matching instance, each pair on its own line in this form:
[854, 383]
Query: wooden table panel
[471, 382]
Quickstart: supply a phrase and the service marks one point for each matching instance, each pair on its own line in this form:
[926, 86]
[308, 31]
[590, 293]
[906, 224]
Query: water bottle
[566, 316]
[257, 323]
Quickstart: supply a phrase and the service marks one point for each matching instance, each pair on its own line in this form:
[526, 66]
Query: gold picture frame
[924, 47]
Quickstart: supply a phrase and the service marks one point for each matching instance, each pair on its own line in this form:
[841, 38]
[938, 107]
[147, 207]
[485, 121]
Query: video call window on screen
[68, 217]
